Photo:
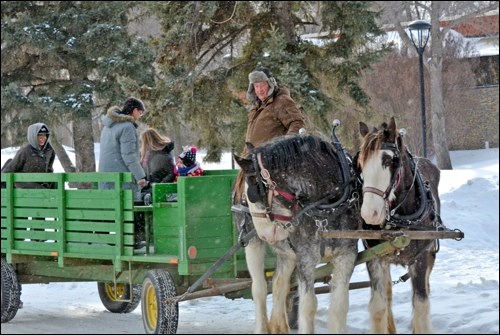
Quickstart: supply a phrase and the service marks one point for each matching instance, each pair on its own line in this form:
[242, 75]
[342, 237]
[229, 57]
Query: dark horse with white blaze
[399, 192]
[297, 187]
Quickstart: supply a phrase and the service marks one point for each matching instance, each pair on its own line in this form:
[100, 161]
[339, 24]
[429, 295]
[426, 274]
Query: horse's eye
[387, 161]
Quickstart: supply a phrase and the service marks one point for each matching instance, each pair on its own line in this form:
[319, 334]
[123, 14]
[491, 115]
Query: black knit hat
[44, 130]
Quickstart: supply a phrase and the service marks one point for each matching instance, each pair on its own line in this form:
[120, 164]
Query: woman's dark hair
[130, 104]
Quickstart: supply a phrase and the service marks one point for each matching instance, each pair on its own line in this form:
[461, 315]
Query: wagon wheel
[11, 297]
[118, 299]
[159, 316]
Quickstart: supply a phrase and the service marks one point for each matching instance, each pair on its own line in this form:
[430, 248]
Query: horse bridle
[395, 179]
[426, 204]
[266, 189]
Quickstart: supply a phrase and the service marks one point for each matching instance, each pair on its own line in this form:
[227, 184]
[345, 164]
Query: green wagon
[80, 232]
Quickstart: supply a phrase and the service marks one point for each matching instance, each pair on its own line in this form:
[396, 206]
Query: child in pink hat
[187, 165]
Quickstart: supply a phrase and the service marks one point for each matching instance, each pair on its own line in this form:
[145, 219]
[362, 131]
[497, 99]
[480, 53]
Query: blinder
[253, 193]
[256, 191]
[396, 159]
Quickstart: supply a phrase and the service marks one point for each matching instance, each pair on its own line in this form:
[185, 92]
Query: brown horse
[399, 192]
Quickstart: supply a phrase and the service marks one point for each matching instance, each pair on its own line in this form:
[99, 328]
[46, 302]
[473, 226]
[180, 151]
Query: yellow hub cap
[115, 295]
[151, 306]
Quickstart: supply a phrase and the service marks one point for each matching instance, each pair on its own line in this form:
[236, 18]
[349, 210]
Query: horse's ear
[392, 124]
[392, 130]
[245, 164]
[363, 128]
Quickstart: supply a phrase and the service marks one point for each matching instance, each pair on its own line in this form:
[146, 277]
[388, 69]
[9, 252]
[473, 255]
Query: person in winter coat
[274, 113]
[36, 156]
[156, 157]
[187, 165]
[119, 151]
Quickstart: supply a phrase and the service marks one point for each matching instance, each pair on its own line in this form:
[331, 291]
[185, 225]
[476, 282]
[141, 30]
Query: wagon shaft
[389, 235]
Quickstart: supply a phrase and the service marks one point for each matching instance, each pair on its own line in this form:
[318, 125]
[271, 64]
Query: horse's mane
[370, 144]
[311, 158]
[295, 151]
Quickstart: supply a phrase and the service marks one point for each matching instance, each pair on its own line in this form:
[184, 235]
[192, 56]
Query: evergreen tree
[207, 93]
[64, 60]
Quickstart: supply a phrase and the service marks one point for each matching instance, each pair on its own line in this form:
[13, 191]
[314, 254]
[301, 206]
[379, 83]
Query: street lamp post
[419, 34]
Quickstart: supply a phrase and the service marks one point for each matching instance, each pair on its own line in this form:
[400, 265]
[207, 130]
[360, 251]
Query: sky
[464, 282]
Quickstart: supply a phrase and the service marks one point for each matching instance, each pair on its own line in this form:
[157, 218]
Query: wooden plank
[43, 200]
[35, 212]
[93, 177]
[95, 215]
[391, 234]
[91, 225]
[34, 223]
[43, 235]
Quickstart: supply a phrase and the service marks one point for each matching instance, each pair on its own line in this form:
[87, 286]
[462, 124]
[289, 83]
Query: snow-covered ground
[464, 282]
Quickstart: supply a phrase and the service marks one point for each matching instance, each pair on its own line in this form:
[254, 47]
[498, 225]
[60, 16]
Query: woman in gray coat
[119, 150]
[119, 140]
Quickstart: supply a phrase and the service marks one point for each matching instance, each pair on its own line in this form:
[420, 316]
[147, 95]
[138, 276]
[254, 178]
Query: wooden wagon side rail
[76, 218]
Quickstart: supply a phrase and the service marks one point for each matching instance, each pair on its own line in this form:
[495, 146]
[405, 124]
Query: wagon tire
[159, 314]
[11, 296]
[293, 312]
[111, 296]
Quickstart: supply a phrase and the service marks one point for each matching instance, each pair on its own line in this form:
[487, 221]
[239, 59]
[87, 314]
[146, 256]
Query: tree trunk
[282, 11]
[438, 127]
[439, 141]
[66, 162]
[84, 142]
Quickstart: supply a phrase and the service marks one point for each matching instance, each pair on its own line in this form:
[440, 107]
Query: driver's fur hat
[258, 75]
